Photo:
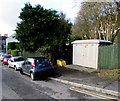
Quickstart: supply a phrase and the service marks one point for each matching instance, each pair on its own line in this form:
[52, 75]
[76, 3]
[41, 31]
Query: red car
[6, 58]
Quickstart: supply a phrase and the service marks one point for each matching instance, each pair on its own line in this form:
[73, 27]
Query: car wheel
[21, 71]
[15, 68]
[8, 66]
[32, 76]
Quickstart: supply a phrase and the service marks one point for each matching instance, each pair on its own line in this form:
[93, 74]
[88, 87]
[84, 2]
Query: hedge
[15, 52]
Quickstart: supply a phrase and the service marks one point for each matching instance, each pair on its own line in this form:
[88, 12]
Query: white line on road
[104, 91]
[93, 93]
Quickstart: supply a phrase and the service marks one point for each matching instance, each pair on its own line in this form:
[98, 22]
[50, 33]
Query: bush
[9, 51]
[13, 45]
[15, 52]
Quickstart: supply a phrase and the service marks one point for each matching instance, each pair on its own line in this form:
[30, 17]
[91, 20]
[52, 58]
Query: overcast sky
[10, 9]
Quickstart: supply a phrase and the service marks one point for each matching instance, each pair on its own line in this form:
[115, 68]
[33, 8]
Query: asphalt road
[17, 86]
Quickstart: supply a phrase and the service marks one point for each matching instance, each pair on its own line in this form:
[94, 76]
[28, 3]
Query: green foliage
[40, 28]
[74, 37]
[9, 51]
[14, 52]
[13, 46]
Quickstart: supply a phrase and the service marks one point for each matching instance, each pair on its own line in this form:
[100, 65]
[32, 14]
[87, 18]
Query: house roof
[12, 35]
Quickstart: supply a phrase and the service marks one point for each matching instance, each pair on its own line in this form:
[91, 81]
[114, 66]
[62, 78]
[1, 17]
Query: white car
[16, 62]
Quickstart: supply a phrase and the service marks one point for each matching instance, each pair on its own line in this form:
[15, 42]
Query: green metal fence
[109, 56]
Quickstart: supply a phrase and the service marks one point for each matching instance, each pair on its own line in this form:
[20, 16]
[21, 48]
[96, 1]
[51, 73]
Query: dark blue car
[36, 66]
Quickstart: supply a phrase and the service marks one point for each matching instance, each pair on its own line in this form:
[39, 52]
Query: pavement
[84, 77]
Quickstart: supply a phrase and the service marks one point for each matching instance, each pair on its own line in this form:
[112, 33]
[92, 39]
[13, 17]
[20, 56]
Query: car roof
[7, 55]
[37, 58]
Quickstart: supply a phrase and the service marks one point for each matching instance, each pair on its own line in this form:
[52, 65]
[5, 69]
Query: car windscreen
[7, 56]
[3, 55]
[42, 62]
[18, 59]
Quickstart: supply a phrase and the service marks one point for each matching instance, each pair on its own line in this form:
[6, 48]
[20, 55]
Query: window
[7, 56]
[18, 59]
[42, 62]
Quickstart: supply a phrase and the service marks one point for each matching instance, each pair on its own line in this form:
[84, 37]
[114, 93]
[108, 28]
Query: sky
[10, 10]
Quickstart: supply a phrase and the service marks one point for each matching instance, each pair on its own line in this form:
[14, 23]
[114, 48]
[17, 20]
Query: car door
[24, 67]
[11, 64]
[28, 67]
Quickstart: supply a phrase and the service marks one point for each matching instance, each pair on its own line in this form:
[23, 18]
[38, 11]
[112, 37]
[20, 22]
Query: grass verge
[109, 73]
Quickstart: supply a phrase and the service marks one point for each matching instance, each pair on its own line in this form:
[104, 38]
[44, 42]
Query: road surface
[17, 86]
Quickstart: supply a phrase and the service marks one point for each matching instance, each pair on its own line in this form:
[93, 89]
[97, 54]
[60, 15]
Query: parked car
[36, 66]
[6, 58]
[16, 62]
[2, 56]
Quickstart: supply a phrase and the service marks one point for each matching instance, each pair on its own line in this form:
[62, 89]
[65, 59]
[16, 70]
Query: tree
[98, 20]
[41, 28]
[109, 20]
[86, 20]
[117, 33]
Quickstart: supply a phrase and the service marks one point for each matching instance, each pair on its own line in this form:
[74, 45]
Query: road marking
[104, 91]
[93, 93]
